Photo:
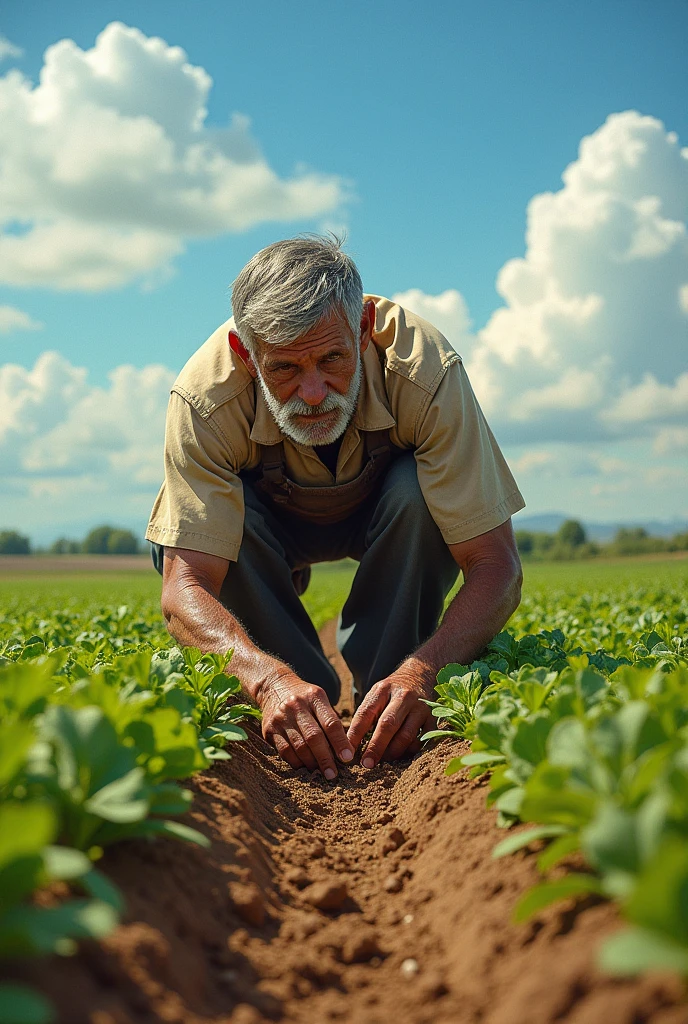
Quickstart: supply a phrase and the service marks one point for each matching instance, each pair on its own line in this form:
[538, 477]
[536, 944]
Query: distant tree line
[103, 540]
[571, 541]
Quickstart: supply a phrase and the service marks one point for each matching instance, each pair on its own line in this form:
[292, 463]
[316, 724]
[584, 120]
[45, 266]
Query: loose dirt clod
[361, 947]
[297, 877]
[392, 839]
[326, 895]
[249, 903]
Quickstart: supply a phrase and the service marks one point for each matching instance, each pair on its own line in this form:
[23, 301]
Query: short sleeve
[201, 502]
[463, 475]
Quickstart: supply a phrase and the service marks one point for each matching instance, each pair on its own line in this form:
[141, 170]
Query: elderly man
[318, 424]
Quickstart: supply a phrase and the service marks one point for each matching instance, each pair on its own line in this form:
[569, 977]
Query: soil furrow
[370, 900]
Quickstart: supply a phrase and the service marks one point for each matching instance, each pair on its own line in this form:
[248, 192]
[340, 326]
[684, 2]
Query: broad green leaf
[24, 687]
[558, 807]
[15, 741]
[521, 839]
[64, 863]
[556, 851]
[567, 744]
[511, 801]
[226, 731]
[610, 841]
[36, 930]
[436, 734]
[123, 801]
[99, 886]
[25, 829]
[546, 893]
[659, 901]
[22, 1005]
[447, 673]
[636, 949]
[169, 798]
[481, 757]
[530, 739]
[175, 830]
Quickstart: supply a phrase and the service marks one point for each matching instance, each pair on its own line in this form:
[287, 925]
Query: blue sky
[426, 131]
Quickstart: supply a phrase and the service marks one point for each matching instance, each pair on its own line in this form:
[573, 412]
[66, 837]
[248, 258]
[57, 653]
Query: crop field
[159, 862]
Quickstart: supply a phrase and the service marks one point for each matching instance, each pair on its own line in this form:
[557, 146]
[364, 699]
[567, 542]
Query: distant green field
[331, 582]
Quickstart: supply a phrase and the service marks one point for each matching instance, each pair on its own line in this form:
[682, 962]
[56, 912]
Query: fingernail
[368, 762]
[330, 774]
[347, 754]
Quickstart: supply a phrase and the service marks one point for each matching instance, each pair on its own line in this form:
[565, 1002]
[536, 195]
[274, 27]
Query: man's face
[311, 386]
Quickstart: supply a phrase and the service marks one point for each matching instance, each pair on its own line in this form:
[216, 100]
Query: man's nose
[312, 389]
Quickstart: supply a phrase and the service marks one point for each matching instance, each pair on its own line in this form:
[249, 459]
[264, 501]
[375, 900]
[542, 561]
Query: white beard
[315, 433]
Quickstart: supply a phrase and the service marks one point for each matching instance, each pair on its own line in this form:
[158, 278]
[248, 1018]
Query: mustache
[331, 402]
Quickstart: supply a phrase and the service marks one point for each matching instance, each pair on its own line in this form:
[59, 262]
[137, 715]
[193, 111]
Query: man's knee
[401, 495]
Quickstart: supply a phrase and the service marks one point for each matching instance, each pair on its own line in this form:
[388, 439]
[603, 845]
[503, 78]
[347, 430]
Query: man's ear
[367, 324]
[236, 346]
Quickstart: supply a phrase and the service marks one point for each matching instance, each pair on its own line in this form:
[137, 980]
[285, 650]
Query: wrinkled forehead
[327, 333]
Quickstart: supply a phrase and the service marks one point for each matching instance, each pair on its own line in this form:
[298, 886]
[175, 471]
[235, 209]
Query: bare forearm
[478, 612]
[197, 619]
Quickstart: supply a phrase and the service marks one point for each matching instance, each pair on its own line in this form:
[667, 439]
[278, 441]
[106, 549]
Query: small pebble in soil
[384, 818]
[393, 884]
[326, 895]
[407, 918]
[297, 877]
[409, 968]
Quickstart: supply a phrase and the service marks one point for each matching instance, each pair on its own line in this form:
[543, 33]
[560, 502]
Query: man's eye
[332, 357]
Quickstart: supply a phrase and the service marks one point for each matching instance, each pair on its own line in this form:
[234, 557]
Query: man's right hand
[300, 722]
[297, 717]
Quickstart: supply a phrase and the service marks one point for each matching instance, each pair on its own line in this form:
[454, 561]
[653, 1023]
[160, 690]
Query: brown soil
[370, 900]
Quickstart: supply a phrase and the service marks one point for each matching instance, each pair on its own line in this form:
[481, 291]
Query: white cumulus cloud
[670, 439]
[8, 50]
[592, 340]
[107, 166]
[447, 311]
[13, 319]
[58, 431]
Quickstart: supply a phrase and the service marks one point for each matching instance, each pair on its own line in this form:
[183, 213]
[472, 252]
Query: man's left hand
[395, 704]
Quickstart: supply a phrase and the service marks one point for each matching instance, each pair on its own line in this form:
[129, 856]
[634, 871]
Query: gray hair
[289, 287]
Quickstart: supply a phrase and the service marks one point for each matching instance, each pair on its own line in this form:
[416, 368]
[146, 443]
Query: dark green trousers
[405, 572]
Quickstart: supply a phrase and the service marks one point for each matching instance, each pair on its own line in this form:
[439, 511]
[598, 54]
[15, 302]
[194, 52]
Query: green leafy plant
[590, 746]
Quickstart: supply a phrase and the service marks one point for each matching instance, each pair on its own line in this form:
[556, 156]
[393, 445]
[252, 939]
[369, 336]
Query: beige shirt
[413, 383]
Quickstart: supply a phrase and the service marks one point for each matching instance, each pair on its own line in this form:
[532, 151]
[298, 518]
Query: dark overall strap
[329, 504]
[377, 443]
[273, 478]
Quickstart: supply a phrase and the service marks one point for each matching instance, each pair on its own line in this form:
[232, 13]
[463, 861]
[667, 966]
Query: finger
[366, 715]
[301, 747]
[333, 729]
[317, 742]
[407, 735]
[388, 724]
[286, 751]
